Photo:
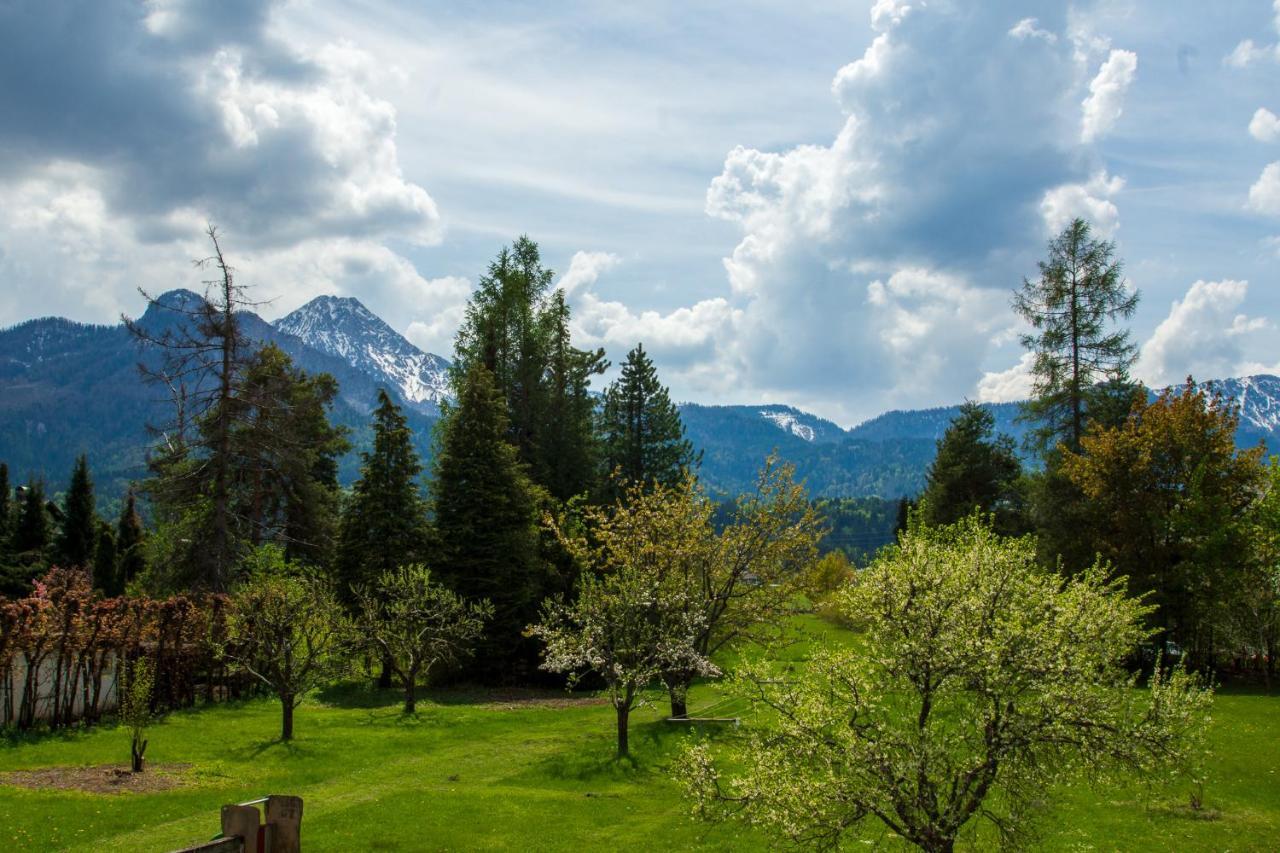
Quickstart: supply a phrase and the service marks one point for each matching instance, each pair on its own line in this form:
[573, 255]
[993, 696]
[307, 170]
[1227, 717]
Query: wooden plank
[242, 821]
[284, 816]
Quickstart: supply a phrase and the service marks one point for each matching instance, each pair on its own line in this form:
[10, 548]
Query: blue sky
[818, 203]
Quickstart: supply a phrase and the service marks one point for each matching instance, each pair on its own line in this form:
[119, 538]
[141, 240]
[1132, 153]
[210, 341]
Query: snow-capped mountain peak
[344, 327]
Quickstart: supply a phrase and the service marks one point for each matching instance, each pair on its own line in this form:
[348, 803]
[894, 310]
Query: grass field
[475, 771]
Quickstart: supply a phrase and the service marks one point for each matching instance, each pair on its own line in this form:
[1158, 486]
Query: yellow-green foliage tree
[981, 680]
[1170, 498]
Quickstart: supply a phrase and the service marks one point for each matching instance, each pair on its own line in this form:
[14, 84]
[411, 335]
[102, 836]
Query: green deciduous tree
[641, 432]
[286, 630]
[136, 688]
[982, 680]
[486, 514]
[974, 469]
[78, 527]
[628, 625]
[418, 625]
[1170, 498]
[1072, 308]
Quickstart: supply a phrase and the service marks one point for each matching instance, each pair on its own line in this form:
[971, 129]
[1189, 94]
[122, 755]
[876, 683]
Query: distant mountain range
[67, 388]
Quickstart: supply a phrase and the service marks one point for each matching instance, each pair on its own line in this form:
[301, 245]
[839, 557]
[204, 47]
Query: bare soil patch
[102, 779]
[523, 698]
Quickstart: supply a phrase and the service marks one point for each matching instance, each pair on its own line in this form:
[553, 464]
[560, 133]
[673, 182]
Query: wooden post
[242, 821]
[284, 816]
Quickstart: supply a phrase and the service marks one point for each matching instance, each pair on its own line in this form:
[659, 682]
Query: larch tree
[486, 515]
[642, 435]
[197, 353]
[1072, 308]
[982, 681]
[78, 528]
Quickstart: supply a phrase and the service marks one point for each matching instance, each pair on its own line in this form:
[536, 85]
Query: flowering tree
[635, 617]
[981, 680]
[417, 625]
[287, 631]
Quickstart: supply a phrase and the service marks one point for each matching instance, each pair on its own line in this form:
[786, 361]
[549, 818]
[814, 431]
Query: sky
[816, 203]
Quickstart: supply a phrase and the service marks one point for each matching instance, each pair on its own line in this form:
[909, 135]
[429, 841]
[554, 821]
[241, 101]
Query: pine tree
[79, 528]
[974, 470]
[384, 525]
[486, 511]
[1079, 295]
[642, 434]
[106, 573]
[130, 560]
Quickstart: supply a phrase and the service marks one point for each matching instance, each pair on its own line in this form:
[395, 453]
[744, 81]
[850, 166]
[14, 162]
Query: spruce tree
[6, 511]
[106, 573]
[78, 536]
[569, 446]
[31, 532]
[1072, 308]
[641, 431]
[974, 469]
[486, 512]
[384, 525]
[130, 559]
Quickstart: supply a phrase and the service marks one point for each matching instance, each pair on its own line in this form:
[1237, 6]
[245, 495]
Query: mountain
[344, 328]
[68, 388]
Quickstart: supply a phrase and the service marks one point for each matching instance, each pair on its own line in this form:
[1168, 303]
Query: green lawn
[468, 774]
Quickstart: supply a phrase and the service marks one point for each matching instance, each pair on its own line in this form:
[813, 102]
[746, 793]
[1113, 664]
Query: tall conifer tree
[486, 513]
[974, 469]
[641, 431]
[6, 510]
[106, 573]
[384, 525]
[130, 559]
[31, 532]
[78, 537]
[1072, 308]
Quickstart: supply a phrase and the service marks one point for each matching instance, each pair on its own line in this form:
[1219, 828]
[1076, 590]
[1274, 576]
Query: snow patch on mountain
[788, 422]
[1258, 398]
[343, 327]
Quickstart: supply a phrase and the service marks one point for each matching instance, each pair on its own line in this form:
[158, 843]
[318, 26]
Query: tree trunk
[137, 749]
[384, 677]
[286, 723]
[623, 714]
[679, 693]
[410, 692]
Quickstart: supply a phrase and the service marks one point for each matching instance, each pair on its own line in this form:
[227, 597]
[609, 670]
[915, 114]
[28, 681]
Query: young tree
[628, 626]
[78, 532]
[742, 583]
[286, 630]
[981, 680]
[1170, 499]
[384, 523]
[418, 625]
[1071, 307]
[641, 431]
[202, 352]
[486, 513]
[130, 536]
[136, 688]
[974, 469]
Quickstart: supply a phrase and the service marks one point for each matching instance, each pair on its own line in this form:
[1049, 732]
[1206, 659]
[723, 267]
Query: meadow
[534, 770]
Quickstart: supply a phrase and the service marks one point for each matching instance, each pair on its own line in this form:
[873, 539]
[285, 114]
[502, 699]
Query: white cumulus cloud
[1105, 103]
[1029, 28]
[1264, 195]
[1264, 126]
[1090, 201]
[1205, 335]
